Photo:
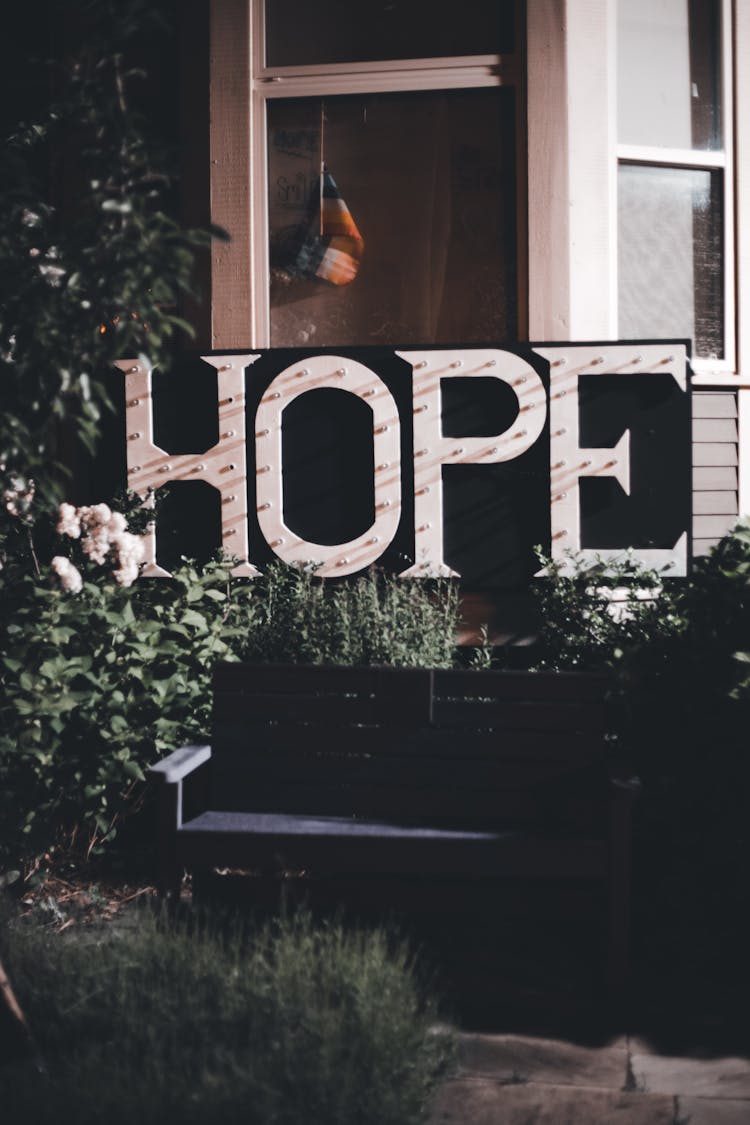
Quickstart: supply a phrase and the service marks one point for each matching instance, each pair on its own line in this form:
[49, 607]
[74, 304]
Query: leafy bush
[684, 721]
[96, 686]
[372, 619]
[292, 1024]
[593, 616]
[717, 610]
[84, 285]
[692, 633]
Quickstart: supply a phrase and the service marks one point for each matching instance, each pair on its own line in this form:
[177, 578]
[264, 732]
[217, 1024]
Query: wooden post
[169, 876]
[624, 791]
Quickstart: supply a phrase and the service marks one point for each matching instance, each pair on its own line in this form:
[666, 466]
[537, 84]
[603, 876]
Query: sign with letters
[430, 461]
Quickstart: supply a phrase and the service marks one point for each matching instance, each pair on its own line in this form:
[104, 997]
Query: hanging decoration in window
[330, 246]
[327, 244]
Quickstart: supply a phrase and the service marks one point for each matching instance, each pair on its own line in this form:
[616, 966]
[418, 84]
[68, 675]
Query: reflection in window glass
[299, 32]
[670, 256]
[428, 183]
[668, 73]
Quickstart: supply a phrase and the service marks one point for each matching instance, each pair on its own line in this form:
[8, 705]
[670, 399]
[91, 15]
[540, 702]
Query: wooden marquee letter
[569, 461]
[223, 466]
[347, 375]
[432, 450]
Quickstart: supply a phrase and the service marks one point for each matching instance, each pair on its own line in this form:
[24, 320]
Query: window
[428, 182]
[675, 183]
[411, 122]
[555, 176]
[638, 142]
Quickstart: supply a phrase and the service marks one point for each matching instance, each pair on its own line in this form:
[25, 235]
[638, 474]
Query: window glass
[670, 255]
[415, 238]
[668, 73]
[300, 32]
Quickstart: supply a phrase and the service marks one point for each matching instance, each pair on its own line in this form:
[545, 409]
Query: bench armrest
[180, 763]
[169, 776]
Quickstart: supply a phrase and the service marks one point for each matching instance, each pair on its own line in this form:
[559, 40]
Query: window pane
[668, 68]
[670, 255]
[426, 184]
[300, 32]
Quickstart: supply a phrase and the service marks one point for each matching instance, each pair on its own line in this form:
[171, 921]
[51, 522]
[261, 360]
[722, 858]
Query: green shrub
[373, 619]
[717, 609]
[680, 685]
[86, 284]
[291, 1025]
[581, 627]
[96, 686]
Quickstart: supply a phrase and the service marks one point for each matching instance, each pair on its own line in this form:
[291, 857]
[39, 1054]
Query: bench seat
[337, 845]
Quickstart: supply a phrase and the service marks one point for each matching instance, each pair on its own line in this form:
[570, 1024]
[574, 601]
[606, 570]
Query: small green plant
[482, 655]
[372, 619]
[592, 615]
[292, 1023]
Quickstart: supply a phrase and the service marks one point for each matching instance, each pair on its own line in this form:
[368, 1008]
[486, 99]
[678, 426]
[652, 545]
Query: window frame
[573, 161]
[242, 84]
[721, 159]
[571, 93]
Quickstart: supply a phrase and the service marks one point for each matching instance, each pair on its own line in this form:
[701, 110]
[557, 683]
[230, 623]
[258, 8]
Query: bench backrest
[414, 745]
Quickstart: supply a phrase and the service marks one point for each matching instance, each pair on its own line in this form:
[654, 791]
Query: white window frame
[709, 160]
[573, 161]
[241, 86]
[573, 156]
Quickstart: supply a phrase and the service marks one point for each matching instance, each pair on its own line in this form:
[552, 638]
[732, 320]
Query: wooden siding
[715, 461]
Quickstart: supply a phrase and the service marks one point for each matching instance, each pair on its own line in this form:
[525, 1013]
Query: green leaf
[190, 617]
[132, 769]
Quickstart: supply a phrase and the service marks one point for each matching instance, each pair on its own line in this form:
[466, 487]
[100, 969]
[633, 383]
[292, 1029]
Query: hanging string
[322, 159]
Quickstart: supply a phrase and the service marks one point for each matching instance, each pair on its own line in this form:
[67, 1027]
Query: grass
[289, 1023]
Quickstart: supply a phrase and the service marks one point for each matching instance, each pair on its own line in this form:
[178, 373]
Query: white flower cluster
[18, 497]
[70, 578]
[48, 269]
[104, 538]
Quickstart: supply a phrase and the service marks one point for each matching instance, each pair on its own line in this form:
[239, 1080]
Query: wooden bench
[383, 771]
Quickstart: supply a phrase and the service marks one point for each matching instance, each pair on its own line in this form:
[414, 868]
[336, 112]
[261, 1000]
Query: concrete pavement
[520, 1080]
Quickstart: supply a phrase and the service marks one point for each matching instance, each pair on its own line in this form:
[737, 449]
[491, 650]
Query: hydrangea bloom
[130, 551]
[104, 539]
[18, 497]
[68, 521]
[70, 578]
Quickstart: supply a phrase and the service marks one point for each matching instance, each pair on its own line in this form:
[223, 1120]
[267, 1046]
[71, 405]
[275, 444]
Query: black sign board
[494, 500]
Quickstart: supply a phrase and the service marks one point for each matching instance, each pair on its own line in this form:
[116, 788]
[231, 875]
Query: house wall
[572, 233]
[715, 466]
